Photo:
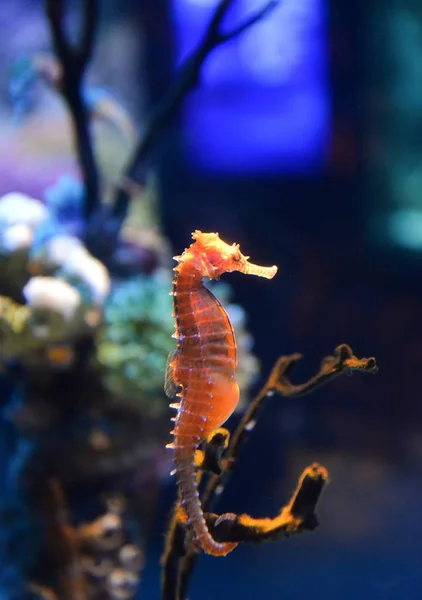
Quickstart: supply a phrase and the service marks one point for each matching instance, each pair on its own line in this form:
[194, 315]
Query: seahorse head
[219, 257]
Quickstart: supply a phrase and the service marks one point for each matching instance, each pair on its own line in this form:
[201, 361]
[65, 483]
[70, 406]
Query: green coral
[135, 339]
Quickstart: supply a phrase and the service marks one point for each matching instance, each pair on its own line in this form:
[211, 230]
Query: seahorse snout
[251, 269]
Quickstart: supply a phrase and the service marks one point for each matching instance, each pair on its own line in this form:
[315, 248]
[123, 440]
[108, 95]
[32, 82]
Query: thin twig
[187, 78]
[73, 61]
[342, 361]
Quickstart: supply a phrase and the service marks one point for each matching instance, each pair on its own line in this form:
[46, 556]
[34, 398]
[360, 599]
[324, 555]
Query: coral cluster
[135, 339]
[64, 294]
[63, 286]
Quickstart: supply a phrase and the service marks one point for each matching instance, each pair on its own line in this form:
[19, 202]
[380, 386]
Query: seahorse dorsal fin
[170, 386]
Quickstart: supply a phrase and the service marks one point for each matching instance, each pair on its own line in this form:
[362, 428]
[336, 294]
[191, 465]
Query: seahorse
[202, 368]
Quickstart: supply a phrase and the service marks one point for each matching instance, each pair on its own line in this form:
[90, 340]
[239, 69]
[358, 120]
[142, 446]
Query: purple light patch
[263, 103]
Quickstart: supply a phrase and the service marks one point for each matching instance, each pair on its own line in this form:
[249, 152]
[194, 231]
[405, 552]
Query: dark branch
[186, 79]
[342, 361]
[208, 458]
[298, 516]
[54, 9]
[254, 18]
[175, 548]
[89, 28]
[73, 61]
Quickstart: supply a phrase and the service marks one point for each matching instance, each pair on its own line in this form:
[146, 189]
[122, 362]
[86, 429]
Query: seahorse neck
[188, 274]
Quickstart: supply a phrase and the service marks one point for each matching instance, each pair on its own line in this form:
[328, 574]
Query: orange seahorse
[203, 365]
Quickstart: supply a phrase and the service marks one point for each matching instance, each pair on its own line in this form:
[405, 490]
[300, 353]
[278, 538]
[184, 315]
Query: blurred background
[303, 143]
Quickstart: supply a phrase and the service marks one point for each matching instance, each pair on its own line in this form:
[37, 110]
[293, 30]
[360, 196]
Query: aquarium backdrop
[263, 104]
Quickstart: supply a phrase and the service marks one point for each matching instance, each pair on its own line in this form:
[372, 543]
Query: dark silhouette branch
[73, 61]
[180, 555]
[207, 458]
[174, 549]
[185, 80]
[254, 18]
[342, 361]
[89, 28]
[298, 516]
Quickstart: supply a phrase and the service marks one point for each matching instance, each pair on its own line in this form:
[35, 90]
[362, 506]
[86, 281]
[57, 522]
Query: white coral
[49, 293]
[90, 271]
[60, 248]
[69, 253]
[16, 237]
[20, 208]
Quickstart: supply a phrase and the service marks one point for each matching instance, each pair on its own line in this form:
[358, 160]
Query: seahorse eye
[236, 257]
